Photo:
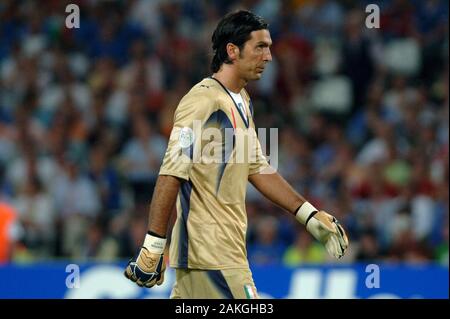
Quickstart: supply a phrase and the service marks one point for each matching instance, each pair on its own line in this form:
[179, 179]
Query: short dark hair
[233, 28]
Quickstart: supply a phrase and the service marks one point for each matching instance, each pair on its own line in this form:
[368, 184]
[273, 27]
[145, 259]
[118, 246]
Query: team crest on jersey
[186, 137]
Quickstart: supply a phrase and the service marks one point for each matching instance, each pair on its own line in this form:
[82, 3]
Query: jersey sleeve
[258, 163]
[192, 112]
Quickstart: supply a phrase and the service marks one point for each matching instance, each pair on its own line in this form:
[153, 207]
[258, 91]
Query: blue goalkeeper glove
[325, 228]
[147, 268]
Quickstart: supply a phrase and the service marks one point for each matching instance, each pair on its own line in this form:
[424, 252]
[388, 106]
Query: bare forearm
[275, 188]
[164, 198]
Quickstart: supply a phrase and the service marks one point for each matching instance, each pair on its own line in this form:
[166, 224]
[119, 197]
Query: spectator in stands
[267, 248]
[10, 231]
[304, 250]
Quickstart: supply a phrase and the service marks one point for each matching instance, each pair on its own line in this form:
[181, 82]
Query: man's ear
[232, 51]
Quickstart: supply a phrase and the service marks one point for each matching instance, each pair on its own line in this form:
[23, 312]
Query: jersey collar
[246, 122]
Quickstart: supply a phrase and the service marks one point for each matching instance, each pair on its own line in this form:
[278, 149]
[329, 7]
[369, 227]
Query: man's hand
[325, 228]
[147, 268]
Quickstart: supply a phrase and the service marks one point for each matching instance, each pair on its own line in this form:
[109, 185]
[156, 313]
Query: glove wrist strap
[155, 245]
[305, 212]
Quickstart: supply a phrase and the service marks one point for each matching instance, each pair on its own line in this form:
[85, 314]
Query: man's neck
[228, 77]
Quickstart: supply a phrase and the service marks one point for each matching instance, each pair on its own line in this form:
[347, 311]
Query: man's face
[255, 55]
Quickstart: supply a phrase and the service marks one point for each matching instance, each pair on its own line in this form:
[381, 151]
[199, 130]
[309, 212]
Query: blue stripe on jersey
[185, 198]
[224, 122]
[188, 151]
[219, 281]
[251, 108]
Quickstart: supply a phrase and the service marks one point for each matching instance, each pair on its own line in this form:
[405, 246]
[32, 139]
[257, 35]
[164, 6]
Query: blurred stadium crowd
[362, 116]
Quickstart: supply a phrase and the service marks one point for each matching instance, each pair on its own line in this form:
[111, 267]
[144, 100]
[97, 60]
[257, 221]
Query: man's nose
[268, 56]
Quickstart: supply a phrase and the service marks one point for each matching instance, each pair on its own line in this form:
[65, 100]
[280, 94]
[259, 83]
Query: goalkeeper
[208, 249]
